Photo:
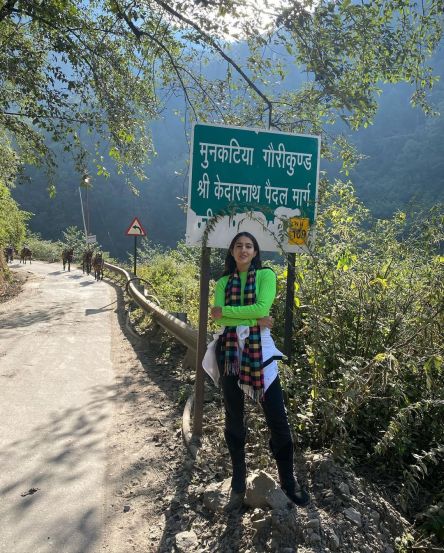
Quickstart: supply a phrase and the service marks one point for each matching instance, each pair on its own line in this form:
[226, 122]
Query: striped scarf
[250, 372]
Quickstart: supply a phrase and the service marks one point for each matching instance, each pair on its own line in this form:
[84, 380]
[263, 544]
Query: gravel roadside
[146, 455]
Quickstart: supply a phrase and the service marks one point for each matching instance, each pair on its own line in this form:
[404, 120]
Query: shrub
[45, 250]
[173, 278]
[368, 333]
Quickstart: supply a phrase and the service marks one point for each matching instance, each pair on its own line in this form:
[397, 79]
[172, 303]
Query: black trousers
[272, 405]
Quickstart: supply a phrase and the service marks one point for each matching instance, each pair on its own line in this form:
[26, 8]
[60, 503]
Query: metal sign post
[135, 229]
[289, 306]
[201, 341]
[83, 216]
[135, 255]
[85, 183]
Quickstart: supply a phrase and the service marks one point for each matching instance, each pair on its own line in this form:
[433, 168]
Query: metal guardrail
[180, 330]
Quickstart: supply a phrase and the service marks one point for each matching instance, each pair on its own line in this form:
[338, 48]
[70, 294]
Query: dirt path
[55, 406]
[88, 440]
[148, 466]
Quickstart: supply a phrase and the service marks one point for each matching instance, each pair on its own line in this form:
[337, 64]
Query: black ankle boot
[238, 480]
[236, 447]
[300, 497]
[288, 482]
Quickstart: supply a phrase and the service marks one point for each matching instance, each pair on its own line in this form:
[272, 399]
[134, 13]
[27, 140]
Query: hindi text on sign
[226, 153]
[284, 158]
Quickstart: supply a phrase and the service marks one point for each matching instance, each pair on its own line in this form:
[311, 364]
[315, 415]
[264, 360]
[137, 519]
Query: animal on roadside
[97, 264]
[25, 255]
[67, 257]
[9, 254]
[87, 261]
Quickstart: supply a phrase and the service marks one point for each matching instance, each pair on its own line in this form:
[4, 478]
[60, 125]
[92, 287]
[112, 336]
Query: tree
[109, 66]
[13, 220]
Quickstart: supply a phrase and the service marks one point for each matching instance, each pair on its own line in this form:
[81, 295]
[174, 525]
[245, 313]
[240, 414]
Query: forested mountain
[405, 149]
[404, 164]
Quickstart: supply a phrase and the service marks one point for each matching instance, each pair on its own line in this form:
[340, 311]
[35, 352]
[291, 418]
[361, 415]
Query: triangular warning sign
[135, 228]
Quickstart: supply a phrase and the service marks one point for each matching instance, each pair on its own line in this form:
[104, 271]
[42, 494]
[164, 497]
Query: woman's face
[243, 252]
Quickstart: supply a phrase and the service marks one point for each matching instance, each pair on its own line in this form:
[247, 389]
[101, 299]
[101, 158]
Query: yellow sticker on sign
[298, 230]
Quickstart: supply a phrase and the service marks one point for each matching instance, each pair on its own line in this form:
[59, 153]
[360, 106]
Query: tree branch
[211, 42]
[61, 117]
[7, 9]
[139, 33]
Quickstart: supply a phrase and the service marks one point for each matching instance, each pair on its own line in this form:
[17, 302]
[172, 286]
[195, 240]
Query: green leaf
[51, 190]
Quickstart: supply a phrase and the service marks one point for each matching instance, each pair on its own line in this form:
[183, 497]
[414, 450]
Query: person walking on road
[246, 360]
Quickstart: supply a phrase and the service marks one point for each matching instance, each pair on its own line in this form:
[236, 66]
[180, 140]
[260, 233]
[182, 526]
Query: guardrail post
[201, 341]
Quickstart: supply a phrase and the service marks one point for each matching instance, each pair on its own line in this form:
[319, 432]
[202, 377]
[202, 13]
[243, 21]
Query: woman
[246, 358]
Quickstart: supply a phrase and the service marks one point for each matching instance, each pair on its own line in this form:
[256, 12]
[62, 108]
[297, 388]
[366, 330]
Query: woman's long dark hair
[230, 263]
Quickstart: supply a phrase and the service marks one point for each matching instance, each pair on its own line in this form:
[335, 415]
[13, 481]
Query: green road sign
[261, 181]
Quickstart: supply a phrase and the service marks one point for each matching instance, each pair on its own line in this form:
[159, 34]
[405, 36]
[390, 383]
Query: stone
[326, 466]
[384, 530]
[260, 523]
[344, 489]
[186, 541]
[284, 520]
[313, 539]
[313, 524]
[263, 491]
[199, 490]
[328, 496]
[334, 541]
[353, 516]
[276, 499]
[217, 495]
[375, 516]
[257, 514]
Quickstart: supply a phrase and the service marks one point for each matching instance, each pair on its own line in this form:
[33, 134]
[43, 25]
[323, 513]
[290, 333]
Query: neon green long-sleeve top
[247, 314]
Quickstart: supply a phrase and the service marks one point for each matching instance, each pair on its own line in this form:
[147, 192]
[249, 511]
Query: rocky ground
[164, 500]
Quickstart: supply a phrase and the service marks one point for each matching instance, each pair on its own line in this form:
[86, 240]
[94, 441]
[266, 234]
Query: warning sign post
[135, 229]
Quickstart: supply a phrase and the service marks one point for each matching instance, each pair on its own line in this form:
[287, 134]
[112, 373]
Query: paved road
[56, 386]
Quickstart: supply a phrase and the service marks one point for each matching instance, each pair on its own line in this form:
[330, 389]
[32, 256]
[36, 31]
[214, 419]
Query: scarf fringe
[255, 394]
[231, 368]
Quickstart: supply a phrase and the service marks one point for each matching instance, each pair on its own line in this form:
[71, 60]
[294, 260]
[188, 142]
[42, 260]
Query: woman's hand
[216, 312]
[266, 322]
